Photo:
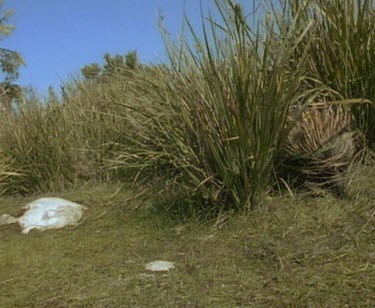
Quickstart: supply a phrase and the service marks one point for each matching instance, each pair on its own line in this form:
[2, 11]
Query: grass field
[290, 252]
[220, 130]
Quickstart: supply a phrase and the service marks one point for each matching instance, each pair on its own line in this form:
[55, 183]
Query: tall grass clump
[213, 121]
[98, 122]
[342, 53]
[37, 141]
[8, 175]
[55, 144]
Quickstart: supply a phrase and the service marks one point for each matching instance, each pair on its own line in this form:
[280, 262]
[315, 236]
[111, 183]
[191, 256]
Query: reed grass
[213, 122]
[54, 145]
[342, 55]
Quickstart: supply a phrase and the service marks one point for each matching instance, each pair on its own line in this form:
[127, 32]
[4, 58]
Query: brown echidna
[320, 148]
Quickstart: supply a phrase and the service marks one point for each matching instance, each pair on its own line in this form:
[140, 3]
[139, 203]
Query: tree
[114, 64]
[91, 71]
[131, 60]
[10, 61]
[119, 63]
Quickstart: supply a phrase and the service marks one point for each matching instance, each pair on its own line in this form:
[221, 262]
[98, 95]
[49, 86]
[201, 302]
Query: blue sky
[57, 37]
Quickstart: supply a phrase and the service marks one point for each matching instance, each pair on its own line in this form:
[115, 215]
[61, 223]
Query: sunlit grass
[215, 121]
[57, 144]
[207, 133]
[289, 252]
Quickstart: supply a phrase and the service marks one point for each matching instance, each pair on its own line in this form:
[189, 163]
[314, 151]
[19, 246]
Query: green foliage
[131, 60]
[120, 65]
[10, 60]
[211, 124]
[113, 67]
[215, 121]
[91, 71]
[114, 64]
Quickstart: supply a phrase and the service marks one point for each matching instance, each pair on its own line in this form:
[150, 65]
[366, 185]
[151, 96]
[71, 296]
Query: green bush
[212, 123]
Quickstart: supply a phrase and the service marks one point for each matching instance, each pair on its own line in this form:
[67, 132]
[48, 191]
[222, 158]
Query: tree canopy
[113, 65]
[10, 60]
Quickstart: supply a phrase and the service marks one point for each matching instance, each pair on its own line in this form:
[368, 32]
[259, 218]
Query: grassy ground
[302, 252]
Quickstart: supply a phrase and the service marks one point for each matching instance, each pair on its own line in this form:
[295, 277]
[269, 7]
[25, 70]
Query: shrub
[213, 121]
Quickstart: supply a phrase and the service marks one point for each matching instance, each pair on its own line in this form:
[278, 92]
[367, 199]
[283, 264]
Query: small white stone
[160, 266]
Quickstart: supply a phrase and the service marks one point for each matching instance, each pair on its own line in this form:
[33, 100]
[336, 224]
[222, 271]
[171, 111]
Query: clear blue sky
[57, 37]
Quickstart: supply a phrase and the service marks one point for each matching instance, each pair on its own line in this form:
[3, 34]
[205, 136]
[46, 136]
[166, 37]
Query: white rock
[160, 266]
[50, 213]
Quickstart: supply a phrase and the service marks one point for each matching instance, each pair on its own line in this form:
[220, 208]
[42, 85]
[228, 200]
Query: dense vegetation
[245, 116]
[213, 124]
